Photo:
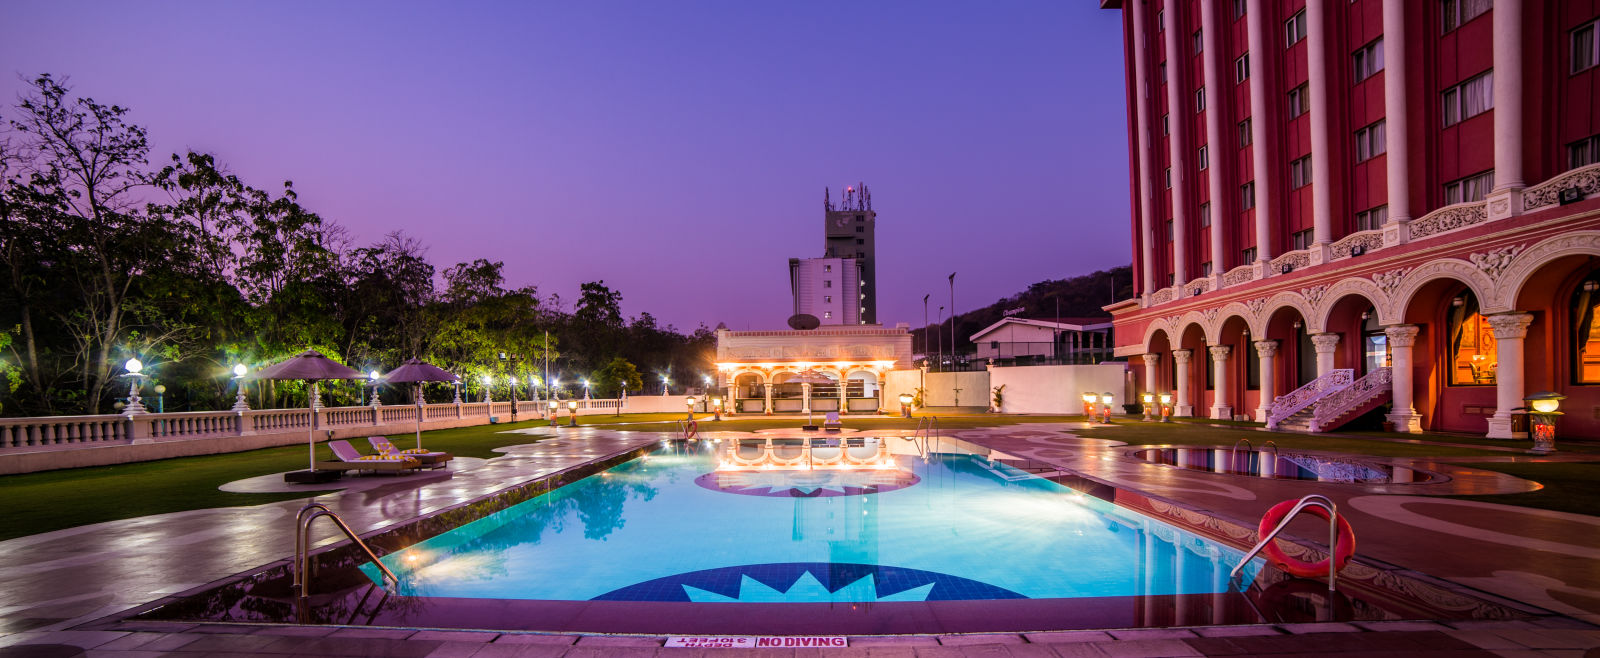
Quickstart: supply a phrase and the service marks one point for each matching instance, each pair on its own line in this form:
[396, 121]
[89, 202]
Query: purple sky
[677, 150]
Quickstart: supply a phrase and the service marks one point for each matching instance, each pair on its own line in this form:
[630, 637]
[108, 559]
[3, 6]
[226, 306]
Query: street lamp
[572, 410]
[585, 389]
[134, 368]
[1149, 398]
[1542, 426]
[239, 403]
[487, 382]
[1166, 407]
[1088, 405]
[905, 405]
[373, 376]
[716, 408]
[161, 398]
[665, 385]
[1105, 407]
[512, 389]
[552, 404]
[689, 402]
[624, 399]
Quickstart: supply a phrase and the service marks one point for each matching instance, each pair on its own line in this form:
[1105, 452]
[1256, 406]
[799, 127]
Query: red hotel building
[1342, 204]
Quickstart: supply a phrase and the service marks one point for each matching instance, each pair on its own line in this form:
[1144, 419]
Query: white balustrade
[61, 430]
[1340, 402]
[1288, 404]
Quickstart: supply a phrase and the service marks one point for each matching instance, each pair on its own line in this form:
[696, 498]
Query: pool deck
[57, 588]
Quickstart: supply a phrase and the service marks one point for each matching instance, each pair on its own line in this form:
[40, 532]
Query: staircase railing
[1290, 403]
[1359, 392]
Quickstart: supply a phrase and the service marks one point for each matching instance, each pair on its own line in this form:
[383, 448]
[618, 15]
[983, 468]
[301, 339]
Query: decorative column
[1152, 375]
[1220, 407]
[1260, 133]
[1396, 122]
[1181, 406]
[844, 394]
[1321, 118]
[1148, 185]
[732, 405]
[1506, 198]
[1267, 352]
[805, 398]
[1509, 330]
[1221, 158]
[1402, 389]
[766, 388]
[1325, 345]
[1178, 113]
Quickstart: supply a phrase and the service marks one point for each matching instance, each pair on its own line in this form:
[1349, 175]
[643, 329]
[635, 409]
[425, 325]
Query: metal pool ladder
[1313, 500]
[927, 426]
[302, 559]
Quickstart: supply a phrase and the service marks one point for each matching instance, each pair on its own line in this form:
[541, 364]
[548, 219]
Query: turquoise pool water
[672, 527]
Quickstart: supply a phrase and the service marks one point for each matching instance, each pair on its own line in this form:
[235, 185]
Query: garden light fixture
[1542, 421]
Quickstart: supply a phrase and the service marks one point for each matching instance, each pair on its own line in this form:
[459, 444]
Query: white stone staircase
[1329, 401]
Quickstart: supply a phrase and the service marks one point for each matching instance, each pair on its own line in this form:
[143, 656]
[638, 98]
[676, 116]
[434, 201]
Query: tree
[609, 379]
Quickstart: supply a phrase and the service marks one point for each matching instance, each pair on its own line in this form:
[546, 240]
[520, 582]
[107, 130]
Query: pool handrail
[926, 426]
[1233, 455]
[301, 571]
[1313, 500]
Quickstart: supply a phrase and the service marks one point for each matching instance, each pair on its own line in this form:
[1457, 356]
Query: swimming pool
[890, 525]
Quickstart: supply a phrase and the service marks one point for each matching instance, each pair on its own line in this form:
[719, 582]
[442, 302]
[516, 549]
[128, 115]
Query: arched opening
[1242, 361]
[749, 393]
[825, 396]
[1193, 387]
[1296, 362]
[1153, 377]
[1561, 351]
[1454, 358]
[862, 390]
[1363, 346]
[787, 395]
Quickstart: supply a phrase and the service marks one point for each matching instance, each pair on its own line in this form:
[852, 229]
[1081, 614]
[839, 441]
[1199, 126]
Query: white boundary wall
[1057, 389]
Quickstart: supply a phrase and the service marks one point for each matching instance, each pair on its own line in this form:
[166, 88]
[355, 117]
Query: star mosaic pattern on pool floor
[808, 582]
[807, 483]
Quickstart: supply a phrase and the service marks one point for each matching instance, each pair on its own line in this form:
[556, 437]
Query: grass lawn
[1142, 433]
[1568, 487]
[52, 500]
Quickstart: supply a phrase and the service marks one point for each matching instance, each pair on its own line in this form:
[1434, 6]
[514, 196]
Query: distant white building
[759, 368]
[828, 288]
[1069, 341]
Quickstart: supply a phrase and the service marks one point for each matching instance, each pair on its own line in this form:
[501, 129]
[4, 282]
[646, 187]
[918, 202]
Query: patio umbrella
[810, 377]
[312, 367]
[415, 372]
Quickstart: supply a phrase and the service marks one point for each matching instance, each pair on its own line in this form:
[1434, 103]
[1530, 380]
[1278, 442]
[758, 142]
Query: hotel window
[1586, 331]
[860, 218]
[1457, 12]
[1165, 128]
[827, 299]
[1199, 42]
[1372, 218]
[861, 254]
[1300, 240]
[861, 229]
[860, 241]
[1247, 256]
[827, 314]
[827, 268]
[1583, 152]
[1169, 230]
[1204, 158]
[1471, 188]
[1469, 99]
[1240, 7]
[1205, 268]
[1252, 367]
[1163, 68]
[1168, 172]
[827, 283]
[1161, 20]
[1245, 136]
[1370, 142]
[1200, 99]
[1294, 29]
[1300, 172]
[1369, 60]
[1585, 48]
[1205, 215]
[1474, 353]
[1299, 101]
[1241, 68]
[1247, 195]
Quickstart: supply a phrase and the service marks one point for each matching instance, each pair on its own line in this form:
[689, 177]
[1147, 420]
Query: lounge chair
[429, 458]
[830, 422]
[350, 460]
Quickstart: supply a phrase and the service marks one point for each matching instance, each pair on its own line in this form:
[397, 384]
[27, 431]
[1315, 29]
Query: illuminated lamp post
[553, 413]
[585, 389]
[905, 405]
[1149, 400]
[1166, 407]
[689, 402]
[512, 389]
[716, 408]
[1088, 405]
[624, 399]
[1105, 407]
[161, 398]
[135, 369]
[239, 403]
[373, 377]
[1542, 420]
[572, 413]
[487, 381]
[666, 385]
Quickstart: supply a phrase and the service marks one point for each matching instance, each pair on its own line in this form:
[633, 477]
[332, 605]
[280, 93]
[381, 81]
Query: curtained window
[1586, 331]
[1473, 351]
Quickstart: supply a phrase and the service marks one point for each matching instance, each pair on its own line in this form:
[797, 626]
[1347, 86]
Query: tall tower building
[848, 233]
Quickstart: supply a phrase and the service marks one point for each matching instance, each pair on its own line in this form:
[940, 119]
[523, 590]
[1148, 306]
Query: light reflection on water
[955, 515]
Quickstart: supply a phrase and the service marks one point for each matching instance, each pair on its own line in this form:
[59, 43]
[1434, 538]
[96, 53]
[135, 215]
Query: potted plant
[999, 398]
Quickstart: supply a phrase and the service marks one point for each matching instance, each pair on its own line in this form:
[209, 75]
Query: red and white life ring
[690, 430]
[1343, 548]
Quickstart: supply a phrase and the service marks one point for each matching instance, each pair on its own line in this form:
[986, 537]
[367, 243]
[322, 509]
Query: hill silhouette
[1078, 297]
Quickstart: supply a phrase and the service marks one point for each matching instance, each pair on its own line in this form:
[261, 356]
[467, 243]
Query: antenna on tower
[827, 200]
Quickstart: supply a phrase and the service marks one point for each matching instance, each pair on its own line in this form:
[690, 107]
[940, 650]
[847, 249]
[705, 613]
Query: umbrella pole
[419, 416]
[311, 427]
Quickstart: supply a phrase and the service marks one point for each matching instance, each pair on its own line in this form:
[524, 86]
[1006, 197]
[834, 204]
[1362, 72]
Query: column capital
[1220, 352]
[1266, 348]
[1510, 326]
[1181, 357]
[1151, 359]
[1402, 335]
[1325, 343]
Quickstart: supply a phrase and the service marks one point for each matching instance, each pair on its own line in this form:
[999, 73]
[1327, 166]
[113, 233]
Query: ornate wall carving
[1449, 218]
[1548, 193]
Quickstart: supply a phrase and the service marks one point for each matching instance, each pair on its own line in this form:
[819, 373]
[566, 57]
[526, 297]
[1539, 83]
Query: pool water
[671, 526]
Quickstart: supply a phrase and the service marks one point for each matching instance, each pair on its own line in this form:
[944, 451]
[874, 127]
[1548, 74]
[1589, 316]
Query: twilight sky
[676, 149]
